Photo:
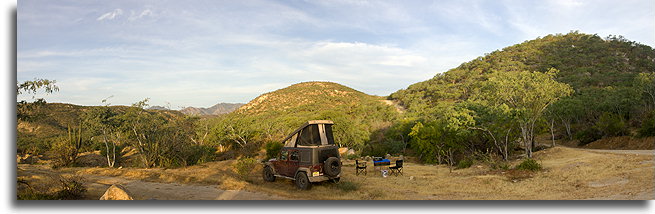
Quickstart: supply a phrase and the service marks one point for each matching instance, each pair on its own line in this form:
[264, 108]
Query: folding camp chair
[360, 167]
[397, 169]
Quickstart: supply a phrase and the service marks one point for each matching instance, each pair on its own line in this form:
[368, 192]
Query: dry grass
[567, 174]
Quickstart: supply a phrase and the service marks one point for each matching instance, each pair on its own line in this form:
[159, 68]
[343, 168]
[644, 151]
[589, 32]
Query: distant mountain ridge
[220, 108]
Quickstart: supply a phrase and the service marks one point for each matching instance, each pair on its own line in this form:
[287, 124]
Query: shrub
[529, 164]
[272, 149]
[501, 166]
[72, 188]
[611, 125]
[466, 163]
[587, 136]
[647, 125]
[244, 166]
[199, 154]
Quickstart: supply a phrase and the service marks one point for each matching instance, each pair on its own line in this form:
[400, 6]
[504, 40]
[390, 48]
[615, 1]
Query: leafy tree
[527, 94]
[25, 109]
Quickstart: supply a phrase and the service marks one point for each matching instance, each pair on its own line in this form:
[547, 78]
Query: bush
[647, 125]
[72, 188]
[611, 125]
[199, 154]
[466, 163]
[529, 164]
[352, 156]
[272, 149]
[501, 166]
[587, 136]
[244, 166]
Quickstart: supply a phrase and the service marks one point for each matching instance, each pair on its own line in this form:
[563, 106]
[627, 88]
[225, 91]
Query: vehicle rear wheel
[302, 181]
[268, 174]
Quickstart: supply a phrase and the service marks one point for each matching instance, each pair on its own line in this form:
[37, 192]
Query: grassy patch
[347, 186]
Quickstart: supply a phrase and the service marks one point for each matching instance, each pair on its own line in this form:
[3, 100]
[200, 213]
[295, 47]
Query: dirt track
[143, 190]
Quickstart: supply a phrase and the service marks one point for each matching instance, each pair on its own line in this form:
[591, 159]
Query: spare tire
[332, 166]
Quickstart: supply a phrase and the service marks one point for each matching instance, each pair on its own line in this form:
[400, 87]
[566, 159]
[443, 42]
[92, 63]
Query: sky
[199, 53]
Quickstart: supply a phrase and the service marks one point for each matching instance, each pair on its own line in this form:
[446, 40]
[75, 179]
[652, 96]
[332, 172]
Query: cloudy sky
[199, 53]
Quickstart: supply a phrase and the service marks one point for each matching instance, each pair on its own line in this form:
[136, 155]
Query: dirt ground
[569, 174]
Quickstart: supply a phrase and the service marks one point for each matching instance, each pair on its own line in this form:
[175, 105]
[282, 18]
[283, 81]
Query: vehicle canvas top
[311, 134]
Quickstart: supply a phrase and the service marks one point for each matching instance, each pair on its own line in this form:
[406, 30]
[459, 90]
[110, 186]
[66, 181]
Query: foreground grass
[566, 174]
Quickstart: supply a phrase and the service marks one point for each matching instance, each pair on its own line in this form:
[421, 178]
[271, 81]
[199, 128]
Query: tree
[105, 122]
[646, 82]
[527, 94]
[495, 121]
[24, 109]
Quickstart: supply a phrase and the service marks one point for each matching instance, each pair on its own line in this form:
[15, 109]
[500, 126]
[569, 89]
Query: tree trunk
[552, 131]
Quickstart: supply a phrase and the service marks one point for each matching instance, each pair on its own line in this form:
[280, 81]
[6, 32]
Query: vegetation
[576, 87]
[529, 164]
[582, 87]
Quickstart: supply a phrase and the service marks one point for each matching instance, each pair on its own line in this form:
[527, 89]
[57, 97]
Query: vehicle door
[293, 162]
[281, 164]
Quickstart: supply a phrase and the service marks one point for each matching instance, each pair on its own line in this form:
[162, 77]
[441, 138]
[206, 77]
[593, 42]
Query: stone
[351, 152]
[116, 192]
[343, 150]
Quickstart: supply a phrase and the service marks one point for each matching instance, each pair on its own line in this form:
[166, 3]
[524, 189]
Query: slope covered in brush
[273, 115]
[610, 77]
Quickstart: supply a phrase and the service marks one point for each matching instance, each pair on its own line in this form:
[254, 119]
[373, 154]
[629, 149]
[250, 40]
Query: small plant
[500, 166]
[352, 156]
[272, 149]
[529, 164]
[244, 166]
[72, 188]
[347, 186]
[466, 163]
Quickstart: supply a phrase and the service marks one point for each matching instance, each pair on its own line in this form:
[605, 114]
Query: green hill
[273, 115]
[608, 101]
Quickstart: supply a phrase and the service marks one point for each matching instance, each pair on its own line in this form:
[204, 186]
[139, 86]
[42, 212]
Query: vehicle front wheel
[268, 174]
[302, 181]
[335, 180]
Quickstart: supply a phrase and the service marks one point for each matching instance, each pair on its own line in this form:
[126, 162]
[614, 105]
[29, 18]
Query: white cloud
[145, 13]
[110, 15]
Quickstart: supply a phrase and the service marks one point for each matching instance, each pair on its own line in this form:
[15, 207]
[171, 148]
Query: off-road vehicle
[309, 155]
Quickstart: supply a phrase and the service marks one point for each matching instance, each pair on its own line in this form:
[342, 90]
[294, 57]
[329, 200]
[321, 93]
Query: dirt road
[636, 152]
[143, 190]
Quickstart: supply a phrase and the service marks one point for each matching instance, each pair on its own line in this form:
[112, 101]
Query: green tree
[25, 109]
[527, 94]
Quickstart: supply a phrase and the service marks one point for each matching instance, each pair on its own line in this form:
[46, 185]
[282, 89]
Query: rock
[343, 150]
[116, 192]
[350, 152]
[411, 178]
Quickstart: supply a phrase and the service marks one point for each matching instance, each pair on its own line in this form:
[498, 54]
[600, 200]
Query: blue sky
[199, 53]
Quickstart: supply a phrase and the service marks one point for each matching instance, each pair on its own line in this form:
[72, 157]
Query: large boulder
[116, 192]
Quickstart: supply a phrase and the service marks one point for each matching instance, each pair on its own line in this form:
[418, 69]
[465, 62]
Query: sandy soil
[568, 174]
[144, 190]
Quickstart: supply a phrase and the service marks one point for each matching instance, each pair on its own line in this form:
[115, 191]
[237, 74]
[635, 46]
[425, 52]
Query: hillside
[605, 73]
[273, 115]
[220, 108]
[584, 61]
